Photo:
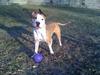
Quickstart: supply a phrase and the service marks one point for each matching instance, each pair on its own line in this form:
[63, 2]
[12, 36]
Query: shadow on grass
[72, 60]
[16, 32]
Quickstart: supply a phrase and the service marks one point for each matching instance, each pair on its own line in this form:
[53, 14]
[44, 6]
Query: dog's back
[52, 27]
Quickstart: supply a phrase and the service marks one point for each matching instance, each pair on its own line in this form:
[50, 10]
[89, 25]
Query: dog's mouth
[37, 25]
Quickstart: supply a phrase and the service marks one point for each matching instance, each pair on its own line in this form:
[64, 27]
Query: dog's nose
[37, 23]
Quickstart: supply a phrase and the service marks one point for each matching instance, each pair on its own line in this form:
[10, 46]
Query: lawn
[79, 55]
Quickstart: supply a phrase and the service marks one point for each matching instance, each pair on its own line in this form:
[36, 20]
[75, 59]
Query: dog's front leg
[36, 46]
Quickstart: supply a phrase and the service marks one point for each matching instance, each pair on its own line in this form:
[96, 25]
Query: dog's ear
[40, 12]
[33, 13]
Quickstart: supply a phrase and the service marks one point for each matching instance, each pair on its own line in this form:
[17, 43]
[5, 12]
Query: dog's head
[38, 19]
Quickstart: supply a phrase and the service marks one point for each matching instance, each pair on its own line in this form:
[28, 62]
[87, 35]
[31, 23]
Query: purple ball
[38, 57]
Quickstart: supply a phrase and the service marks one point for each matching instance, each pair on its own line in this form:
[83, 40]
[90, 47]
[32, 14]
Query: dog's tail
[64, 23]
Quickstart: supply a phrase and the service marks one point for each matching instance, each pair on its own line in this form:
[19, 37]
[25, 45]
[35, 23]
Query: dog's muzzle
[37, 24]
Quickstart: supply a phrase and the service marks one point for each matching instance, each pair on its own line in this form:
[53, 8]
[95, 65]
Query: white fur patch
[40, 34]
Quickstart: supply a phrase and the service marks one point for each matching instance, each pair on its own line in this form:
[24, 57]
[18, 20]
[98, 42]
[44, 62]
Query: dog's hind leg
[58, 34]
[59, 39]
[50, 47]
[49, 42]
[60, 42]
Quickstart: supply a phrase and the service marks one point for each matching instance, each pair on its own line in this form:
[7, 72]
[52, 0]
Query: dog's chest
[40, 34]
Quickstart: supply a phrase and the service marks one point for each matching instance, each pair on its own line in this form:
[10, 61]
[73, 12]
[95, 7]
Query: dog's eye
[42, 19]
[34, 17]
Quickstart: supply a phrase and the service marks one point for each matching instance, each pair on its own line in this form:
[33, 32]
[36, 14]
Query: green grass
[80, 54]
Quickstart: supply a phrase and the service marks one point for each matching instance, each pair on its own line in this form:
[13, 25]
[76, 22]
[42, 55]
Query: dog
[44, 32]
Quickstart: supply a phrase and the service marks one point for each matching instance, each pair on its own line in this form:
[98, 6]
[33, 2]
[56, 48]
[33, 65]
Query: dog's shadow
[16, 33]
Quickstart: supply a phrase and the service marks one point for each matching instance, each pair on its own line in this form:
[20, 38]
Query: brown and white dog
[43, 32]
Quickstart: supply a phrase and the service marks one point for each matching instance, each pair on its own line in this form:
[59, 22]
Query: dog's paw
[60, 44]
[36, 52]
[52, 52]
